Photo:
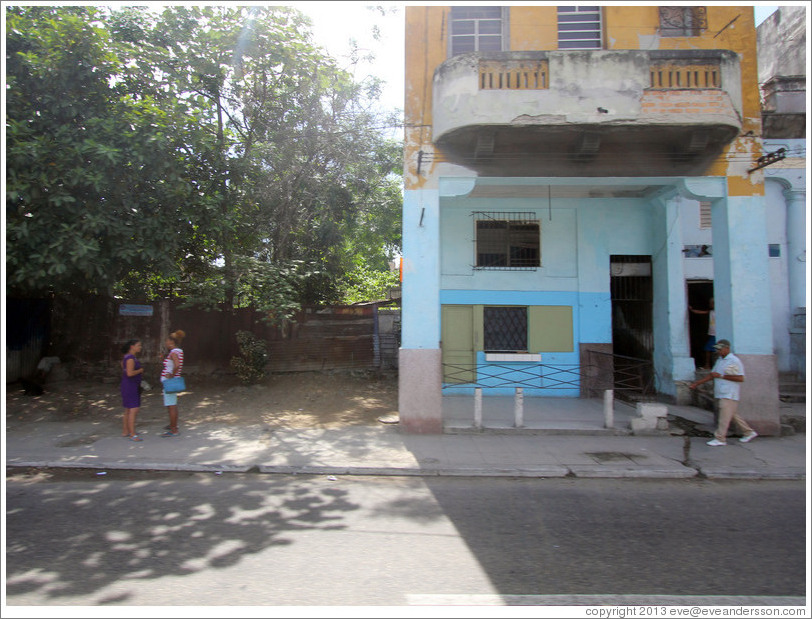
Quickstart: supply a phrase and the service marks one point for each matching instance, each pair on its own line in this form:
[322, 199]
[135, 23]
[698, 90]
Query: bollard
[518, 407]
[478, 407]
[609, 408]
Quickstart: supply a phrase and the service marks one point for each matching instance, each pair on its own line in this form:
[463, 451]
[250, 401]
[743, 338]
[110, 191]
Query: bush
[251, 365]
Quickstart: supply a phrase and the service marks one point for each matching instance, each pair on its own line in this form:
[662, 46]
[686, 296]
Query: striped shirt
[169, 369]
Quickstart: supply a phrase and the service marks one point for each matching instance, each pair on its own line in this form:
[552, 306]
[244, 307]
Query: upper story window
[683, 21]
[476, 29]
[507, 240]
[579, 27]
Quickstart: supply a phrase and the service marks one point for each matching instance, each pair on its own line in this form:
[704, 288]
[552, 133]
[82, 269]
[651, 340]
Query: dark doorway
[632, 322]
[632, 295]
[700, 293]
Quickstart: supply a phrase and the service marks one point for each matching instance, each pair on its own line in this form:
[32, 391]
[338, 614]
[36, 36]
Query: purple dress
[130, 385]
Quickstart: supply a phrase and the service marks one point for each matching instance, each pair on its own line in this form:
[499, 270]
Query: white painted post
[518, 407]
[609, 408]
[478, 407]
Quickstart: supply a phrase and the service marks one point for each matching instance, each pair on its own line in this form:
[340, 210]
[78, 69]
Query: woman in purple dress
[131, 376]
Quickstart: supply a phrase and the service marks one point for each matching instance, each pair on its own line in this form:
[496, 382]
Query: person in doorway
[711, 341]
[727, 376]
[173, 366]
[131, 376]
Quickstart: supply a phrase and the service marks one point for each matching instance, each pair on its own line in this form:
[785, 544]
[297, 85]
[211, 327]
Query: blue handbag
[174, 384]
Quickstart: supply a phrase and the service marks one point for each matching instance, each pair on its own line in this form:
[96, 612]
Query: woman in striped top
[173, 366]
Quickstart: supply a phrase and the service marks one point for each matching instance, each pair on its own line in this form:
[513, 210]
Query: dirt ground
[295, 400]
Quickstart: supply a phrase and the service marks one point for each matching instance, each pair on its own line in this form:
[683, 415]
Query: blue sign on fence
[135, 310]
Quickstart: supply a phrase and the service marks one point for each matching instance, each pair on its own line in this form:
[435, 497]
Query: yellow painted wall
[533, 28]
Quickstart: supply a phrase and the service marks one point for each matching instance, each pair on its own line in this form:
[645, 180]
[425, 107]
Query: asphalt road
[149, 538]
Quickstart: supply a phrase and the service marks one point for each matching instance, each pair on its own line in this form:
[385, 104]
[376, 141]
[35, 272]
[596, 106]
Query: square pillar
[420, 360]
[743, 309]
[672, 357]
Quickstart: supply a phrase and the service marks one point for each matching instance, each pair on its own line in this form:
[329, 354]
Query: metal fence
[631, 379]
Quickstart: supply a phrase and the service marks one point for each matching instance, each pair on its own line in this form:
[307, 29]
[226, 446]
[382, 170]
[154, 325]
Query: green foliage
[366, 284]
[213, 154]
[251, 365]
[276, 289]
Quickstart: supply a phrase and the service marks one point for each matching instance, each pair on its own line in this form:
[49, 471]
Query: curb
[543, 472]
[779, 473]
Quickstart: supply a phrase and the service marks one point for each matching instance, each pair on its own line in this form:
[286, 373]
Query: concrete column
[743, 310]
[673, 361]
[796, 247]
[420, 359]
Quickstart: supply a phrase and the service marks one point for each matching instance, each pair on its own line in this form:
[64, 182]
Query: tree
[212, 153]
[306, 177]
[97, 181]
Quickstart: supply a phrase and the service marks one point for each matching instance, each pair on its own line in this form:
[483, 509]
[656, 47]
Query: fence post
[478, 407]
[609, 408]
[518, 407]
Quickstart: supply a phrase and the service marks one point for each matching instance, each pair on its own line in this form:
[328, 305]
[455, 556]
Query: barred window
[505, 329]
[683, 21]
[476, 29]
[507, 240]
[579, 27]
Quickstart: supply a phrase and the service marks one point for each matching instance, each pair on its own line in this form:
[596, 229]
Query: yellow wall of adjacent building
[625, 27]
[426, 49]
[533, 28]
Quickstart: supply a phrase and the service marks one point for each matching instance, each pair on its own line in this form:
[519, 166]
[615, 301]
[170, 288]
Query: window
[505, 329]
[774, 250]
[512, 242]
[705, 215]
[682, 21]
[579, 27]
[476, 29]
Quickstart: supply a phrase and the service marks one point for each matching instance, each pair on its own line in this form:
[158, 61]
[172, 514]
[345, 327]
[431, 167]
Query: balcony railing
[524, 75]
[685, 77]
[513, 75]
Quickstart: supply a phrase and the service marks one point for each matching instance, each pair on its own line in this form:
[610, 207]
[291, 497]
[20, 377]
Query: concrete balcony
[590, 113]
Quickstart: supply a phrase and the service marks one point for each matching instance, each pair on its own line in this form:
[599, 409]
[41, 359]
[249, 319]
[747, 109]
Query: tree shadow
[78, 538]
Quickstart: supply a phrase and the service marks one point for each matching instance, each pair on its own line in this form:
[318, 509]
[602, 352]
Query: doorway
[632, 323]
[700, 293]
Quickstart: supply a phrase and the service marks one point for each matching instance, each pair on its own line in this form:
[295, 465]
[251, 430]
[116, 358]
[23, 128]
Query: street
[155, 538]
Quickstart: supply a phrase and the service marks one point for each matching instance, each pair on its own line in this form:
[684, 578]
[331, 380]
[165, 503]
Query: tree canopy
[209, 153]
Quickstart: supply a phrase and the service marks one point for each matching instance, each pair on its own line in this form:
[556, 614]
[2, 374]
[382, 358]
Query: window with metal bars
[505, 329]
[476, 29]
[507, 241]
[683, 21]
[579, 27]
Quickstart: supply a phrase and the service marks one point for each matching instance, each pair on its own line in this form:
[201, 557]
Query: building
[551, 155]
[782, 50]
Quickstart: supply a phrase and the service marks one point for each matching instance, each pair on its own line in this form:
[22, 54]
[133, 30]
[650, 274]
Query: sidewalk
[385, 450]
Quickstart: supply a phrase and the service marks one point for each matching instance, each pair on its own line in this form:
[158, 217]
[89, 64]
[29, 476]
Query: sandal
[170, 433]
[136, 438]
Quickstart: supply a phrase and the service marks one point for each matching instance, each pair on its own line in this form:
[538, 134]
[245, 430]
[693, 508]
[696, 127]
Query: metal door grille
[632, 297]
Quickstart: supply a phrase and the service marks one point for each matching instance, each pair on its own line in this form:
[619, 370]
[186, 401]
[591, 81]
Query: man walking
[727, 376]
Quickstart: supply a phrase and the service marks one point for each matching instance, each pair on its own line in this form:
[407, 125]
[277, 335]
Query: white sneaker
[716, 443]
[748, 437]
